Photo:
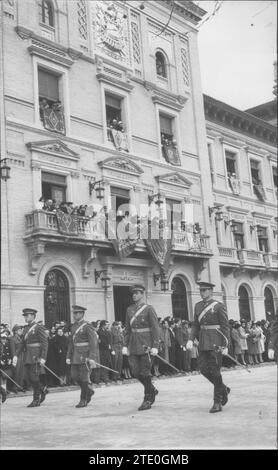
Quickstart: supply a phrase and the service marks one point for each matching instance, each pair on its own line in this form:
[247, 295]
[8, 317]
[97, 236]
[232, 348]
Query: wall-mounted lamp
[232, 224]
[216, 210]
[4, 169]
[275, 232]
[164, 283]
[158, 201]
[105, 279]
[252, 228]
[98, 187]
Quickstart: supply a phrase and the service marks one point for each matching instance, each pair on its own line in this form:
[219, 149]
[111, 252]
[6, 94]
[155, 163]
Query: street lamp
[164, 283]
[99, 189]
[105, 279]
[5, 170]
[159, 200]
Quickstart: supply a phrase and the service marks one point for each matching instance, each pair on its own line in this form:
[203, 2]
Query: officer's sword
[62, 381]
[104, 367]
[219, 349]
[18, 386]
[147, 349]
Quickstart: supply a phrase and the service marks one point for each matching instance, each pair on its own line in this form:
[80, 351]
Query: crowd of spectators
[248, 345]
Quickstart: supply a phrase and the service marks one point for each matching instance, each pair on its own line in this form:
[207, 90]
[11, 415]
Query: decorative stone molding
[35, 251]
[54, 147]
[88, 256]
[74, 54]
[23, 33]
[174, 179]
[44, 50]
[200, 264]
[121, 164]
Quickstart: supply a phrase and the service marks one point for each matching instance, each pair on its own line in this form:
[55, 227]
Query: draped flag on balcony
[171, 154]
[160, 249]
[259, 191]
[67, 223]
[119, 139]
[126, 239]
[53, 120]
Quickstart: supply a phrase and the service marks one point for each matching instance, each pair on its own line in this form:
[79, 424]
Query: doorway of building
[56, 297]
[179, 299]
[122, 300]
[269, 304]
[244, 304]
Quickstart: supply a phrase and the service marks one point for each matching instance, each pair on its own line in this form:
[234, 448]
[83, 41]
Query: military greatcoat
[212, 328]
[143, 331]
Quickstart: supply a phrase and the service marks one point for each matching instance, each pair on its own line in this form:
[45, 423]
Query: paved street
[179, 418]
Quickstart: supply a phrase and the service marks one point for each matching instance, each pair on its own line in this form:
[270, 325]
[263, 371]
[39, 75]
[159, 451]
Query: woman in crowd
[117, 341]
[253, 344]
[165, 346]
[60, 347]
[261, 342]
[236, 341]
[15, 343]
[243, 341]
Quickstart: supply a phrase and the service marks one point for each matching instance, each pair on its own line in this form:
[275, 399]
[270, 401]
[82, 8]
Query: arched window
[161, 67]
[268, 304]
[56, 297]
[243, 303]
[179, 299]
[46, 13]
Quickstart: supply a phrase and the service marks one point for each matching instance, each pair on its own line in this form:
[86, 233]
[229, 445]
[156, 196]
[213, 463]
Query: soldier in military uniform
[211, 328]
[5, 362]
[82, 353]
[35, 345]
[141, 342]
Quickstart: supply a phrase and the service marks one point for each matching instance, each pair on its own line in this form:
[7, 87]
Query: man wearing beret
[141, 342]
[35, 345]
[82, 353]
[211, 328]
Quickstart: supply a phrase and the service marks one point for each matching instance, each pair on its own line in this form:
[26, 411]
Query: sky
[237, 48]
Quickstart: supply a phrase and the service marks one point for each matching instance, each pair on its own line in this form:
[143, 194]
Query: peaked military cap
[26, 311]
[137, 287]
[77, 308]
[206, 285]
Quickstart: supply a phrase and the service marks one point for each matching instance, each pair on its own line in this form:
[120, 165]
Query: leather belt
[33, 345]
[81, 344]
[140, 330]
[210, 327]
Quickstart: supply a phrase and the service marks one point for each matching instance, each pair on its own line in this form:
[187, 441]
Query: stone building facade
[243, 163]
[102, 106]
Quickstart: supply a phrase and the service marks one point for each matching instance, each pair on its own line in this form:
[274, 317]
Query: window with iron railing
[114, 121]
[168, 141]
[256, 180]
[239, 235]
[51, 109]
[262, 239]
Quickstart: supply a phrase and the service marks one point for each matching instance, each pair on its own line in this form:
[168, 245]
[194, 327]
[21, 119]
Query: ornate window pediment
[174, 178]
[56, 147]
[121, 164]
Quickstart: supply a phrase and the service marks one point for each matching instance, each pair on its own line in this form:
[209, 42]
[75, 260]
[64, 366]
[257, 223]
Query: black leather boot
[3, 394]
[36, 396]
[225, 393]
[153, 394]
[146, 404]
[83, 396]
[44, 392]
[90, 393]
[216, 407]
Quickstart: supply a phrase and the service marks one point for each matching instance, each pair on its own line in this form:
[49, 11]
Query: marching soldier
[5, 362]
[211, 328]
[35, 344]
[141, 342]
[82, 353]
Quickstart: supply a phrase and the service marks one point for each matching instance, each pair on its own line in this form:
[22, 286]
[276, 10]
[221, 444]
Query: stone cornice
[186, 9]
[239, 121]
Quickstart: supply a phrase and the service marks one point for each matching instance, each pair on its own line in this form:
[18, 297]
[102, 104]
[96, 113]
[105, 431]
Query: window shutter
[165, 124]
[48, 86]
